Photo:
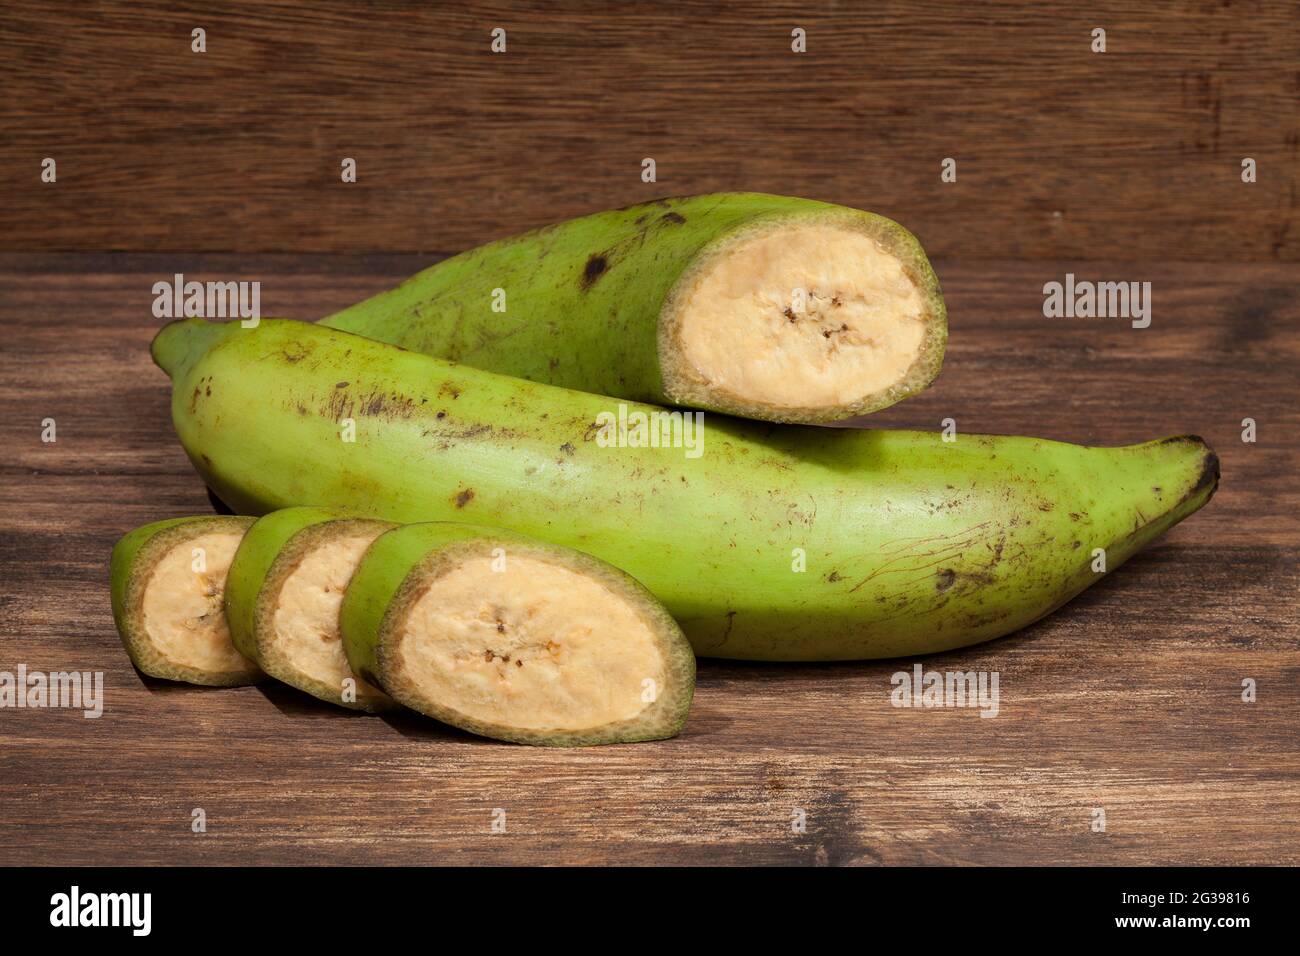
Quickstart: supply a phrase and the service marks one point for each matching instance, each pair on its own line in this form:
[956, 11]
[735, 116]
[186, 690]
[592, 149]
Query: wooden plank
[1129, 699]
[1061, 152]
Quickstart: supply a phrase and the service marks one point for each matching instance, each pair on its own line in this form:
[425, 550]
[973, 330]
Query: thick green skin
[912, 544]
[133, 558]
[399, 566]
[258, 562]
[589, 301]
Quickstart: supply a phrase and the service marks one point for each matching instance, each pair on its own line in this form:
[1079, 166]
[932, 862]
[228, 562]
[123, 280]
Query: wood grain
[1061, 152]
[1128, 699]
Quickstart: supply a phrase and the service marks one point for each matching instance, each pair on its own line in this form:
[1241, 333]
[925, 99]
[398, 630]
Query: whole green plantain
[796, 543]
[767, 307]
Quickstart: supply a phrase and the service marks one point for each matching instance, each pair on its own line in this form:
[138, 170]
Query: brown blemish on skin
[441, 415]
[447, 388]
[342, 404]
[339, 406]
[464, 497]
[673, 217]
[340, 384]
[834, 576]
[568, 448]
[296, 352]
[731, 619]
[594, 269]
[472, 431]
[944, 579]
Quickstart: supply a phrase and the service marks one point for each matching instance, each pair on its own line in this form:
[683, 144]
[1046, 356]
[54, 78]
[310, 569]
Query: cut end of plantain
[813, 318]
[168, 582]
[520, 640]
[283, 599]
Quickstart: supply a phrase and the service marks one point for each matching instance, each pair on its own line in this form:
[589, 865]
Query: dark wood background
[1060, 152]
[226, 167]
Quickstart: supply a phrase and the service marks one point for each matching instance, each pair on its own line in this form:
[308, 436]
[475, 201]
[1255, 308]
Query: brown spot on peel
[595, 268]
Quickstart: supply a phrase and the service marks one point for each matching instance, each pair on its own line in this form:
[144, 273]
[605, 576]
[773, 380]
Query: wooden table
[1129, 699]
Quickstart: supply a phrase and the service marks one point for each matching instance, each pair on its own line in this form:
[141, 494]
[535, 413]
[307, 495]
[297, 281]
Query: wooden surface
[1061, 152]
[1128, 699]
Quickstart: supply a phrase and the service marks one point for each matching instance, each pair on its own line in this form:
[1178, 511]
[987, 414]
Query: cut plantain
[283, 595]
[516, 639]
[168, 580]
[769, 307]
[799, 316]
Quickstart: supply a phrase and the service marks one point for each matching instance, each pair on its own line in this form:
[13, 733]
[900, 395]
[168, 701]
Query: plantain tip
[1207, 479]
[179, 344]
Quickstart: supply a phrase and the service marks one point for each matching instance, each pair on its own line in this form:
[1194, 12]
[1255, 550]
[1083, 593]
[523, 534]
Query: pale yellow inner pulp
[305, 625]
[533, 646]
[803, 315]
[183, 612]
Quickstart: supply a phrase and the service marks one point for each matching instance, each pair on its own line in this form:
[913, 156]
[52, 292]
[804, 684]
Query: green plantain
[767, 307]
[796, 543]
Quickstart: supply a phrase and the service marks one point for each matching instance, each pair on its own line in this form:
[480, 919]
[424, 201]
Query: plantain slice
[283, 595]
[516, 639]
[168, 582]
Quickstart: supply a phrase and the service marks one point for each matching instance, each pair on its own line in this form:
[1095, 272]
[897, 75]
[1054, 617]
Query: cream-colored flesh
[861, 326]
[183, 614]
[535, 646]
[305, 625]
